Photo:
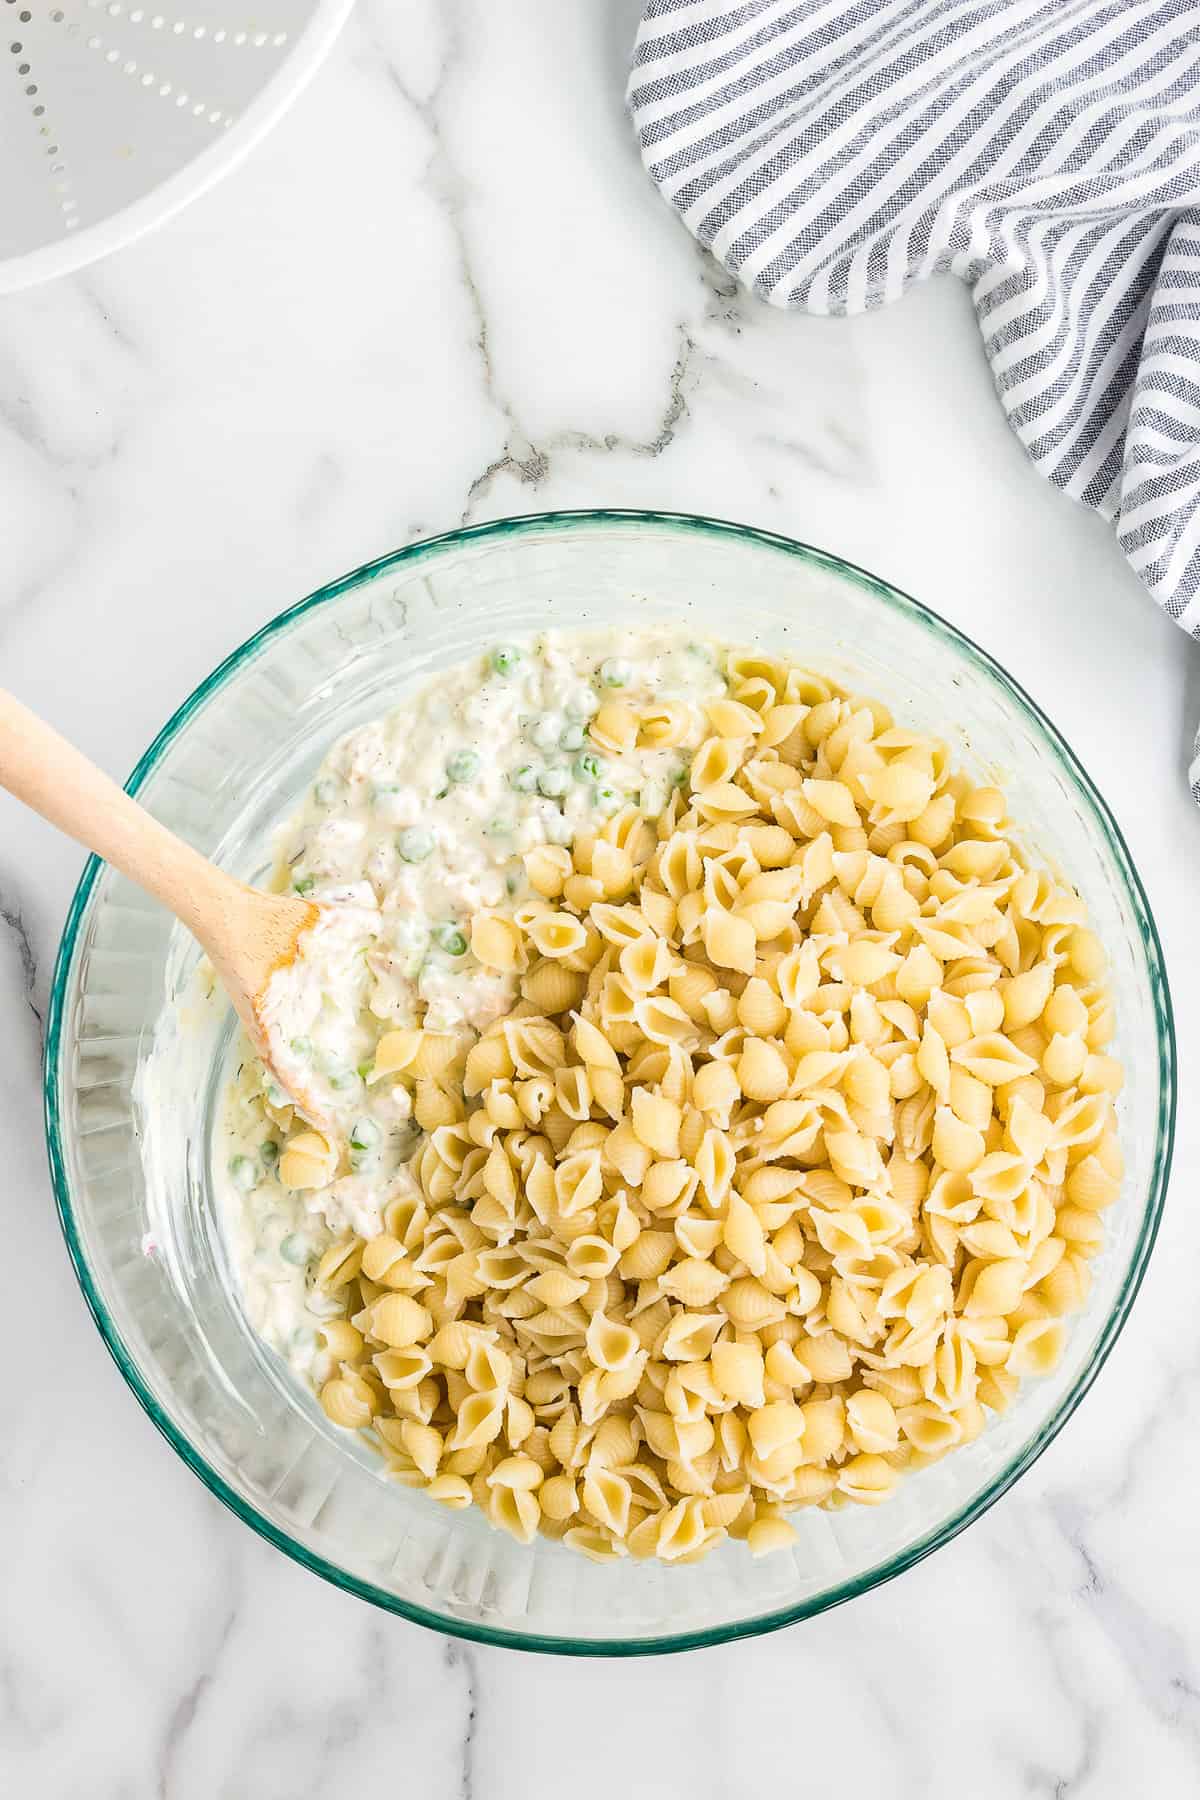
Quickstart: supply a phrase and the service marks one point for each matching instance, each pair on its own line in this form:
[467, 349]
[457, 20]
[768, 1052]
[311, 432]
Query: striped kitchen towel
[831, 152]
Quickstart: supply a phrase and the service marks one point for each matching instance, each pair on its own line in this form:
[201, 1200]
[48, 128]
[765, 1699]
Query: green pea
[269, 1151]
[543, 732]
[295, 1249]
[582, 705]
[273, 1094]
[616, 672]
[571, 738]
[450, 939]
[499, 827]
[607, 799]
[589, 766]
[344, 1080]
[365, 1134]
[524, 779]
[553, 783]
[302, 1047]
[505, 658]
[243, 1173]
[462, 766]
[415, 844]
[303, 884]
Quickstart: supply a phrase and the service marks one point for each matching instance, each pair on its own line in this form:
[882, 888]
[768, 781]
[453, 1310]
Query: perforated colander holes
[60, 180]
[221, 34]
[115, 57]
[166, 90]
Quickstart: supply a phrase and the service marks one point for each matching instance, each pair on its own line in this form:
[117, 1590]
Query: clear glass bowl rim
[500, 531]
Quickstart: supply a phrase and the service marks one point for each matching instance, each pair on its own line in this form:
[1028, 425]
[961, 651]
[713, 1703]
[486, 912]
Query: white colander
[113, 115]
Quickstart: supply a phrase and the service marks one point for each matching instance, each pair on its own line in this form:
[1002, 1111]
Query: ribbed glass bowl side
[229, 765]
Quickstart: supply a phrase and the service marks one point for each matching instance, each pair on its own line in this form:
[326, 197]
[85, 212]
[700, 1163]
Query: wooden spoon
[247, 934]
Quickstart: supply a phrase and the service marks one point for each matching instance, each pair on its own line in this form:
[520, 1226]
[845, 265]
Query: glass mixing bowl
[133, 1185]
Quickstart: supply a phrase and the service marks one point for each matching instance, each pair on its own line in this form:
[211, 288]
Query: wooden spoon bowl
[248, 935]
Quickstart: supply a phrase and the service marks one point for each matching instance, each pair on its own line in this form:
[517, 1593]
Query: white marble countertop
[444, 290]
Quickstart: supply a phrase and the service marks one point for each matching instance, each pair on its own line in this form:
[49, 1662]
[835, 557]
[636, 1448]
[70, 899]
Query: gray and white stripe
[832, 152]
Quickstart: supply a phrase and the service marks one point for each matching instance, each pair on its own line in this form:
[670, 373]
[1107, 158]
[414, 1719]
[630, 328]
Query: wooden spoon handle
[57, 781]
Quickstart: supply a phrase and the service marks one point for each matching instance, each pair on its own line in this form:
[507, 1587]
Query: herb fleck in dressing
[414, 824]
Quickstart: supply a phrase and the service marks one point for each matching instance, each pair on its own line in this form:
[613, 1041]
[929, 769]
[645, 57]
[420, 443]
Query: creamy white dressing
[414, 823]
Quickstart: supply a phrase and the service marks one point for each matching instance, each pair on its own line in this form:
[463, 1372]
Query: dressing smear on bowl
[415, 824]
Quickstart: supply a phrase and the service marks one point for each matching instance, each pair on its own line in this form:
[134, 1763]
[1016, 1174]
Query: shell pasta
[780, 1169]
